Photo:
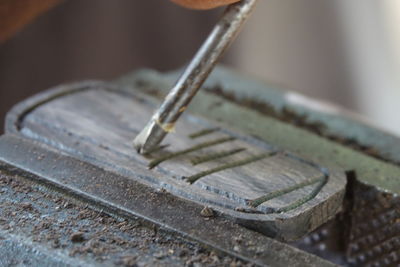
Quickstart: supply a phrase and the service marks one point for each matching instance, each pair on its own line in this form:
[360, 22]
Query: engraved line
[194, 178]
[157, 148]
[258, 201]
[203, 133]
[215, 156]
[171, 155]
[306, 198]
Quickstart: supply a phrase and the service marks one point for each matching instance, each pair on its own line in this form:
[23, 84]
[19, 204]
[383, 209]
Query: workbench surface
[43, 228]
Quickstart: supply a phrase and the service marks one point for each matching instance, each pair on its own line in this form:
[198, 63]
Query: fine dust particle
[207, 212]
[77, 237]
[102, 237]
[159, 255]
[236, 248]
[26, 206]
[128, 261]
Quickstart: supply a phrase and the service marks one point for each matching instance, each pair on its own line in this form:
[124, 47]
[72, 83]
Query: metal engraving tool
[177, 100]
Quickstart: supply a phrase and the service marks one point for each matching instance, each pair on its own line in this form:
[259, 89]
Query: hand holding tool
[177, 100]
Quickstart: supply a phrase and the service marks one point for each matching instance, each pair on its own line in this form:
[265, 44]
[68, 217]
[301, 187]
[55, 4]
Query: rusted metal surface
[367, 233]
[328, 242]
[41, 227]
[374, 236]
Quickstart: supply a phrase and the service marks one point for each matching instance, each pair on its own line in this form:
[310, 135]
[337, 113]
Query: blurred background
[346, 52]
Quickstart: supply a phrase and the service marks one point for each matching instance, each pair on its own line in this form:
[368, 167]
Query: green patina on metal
[369, 170]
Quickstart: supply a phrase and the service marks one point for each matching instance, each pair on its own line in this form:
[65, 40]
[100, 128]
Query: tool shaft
[194, 75]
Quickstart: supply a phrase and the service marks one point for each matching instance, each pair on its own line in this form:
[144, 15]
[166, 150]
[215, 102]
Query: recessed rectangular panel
[201, 161]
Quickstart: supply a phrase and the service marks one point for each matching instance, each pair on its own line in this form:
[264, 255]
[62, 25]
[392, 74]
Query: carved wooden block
[241, 177]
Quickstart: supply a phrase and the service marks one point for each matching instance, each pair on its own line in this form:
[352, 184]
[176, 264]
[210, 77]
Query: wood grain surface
[258, 184]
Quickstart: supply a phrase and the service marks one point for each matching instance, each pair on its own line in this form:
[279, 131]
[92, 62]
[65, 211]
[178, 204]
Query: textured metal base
[369, 237]
[41, 227]
[182, 217]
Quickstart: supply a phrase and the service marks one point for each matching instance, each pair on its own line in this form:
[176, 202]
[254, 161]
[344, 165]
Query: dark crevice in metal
[156, 149]
[348, 206]
[203, 133]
